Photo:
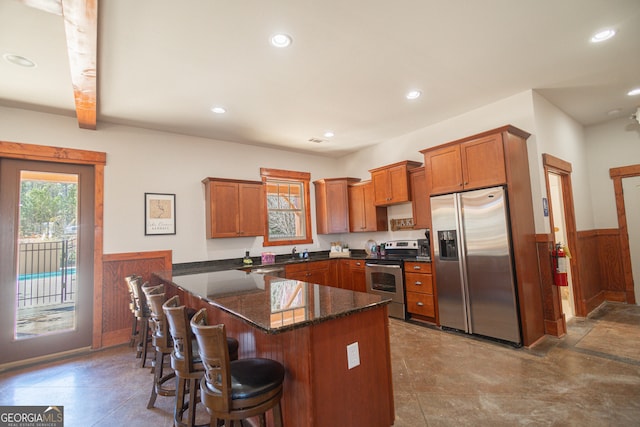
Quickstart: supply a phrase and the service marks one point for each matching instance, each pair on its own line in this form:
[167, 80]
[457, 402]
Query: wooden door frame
[617, 174]
[15, 150]
[563, 169]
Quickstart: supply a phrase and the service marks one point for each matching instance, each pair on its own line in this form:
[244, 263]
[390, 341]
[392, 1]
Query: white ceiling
[162, 65]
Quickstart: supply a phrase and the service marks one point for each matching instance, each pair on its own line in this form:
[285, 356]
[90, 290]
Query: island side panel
[362, 395]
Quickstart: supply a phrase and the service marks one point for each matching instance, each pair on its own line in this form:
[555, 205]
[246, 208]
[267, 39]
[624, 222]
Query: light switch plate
[353, 355]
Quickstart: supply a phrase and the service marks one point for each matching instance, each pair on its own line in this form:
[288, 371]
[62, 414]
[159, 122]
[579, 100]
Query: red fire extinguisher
[559, 266]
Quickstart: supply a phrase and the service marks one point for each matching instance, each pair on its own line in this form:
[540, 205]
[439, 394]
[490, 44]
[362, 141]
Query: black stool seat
[255, 376]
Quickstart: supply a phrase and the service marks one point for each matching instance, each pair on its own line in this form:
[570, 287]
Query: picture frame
[159, 214]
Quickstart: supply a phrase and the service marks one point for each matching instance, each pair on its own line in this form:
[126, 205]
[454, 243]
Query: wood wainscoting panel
[116, 316]
[601, 269]
[588, 265]
[610, 261]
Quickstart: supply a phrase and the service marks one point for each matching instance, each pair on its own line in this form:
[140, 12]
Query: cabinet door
[344, 273]
[332, 205]
[420, 199]
[398, 184]
[251, 210]
[319, 272]
[337, 207]
[443, 169]
[364, 215]
[224, 210]
[381, 187]
[358, 277]
[483, 162]
[357, 218]
[375, 217]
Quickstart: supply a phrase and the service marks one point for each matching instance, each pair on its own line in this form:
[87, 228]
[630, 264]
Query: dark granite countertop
[236, 263]
[272, 304]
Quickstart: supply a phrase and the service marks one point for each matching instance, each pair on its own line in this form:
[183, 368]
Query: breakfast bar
[334, 343]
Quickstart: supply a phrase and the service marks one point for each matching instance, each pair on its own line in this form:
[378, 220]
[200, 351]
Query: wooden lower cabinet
[318, 272]
[351, 275]
[419, 286]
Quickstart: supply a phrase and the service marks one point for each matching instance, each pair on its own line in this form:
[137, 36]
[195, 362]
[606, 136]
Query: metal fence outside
[46, 272]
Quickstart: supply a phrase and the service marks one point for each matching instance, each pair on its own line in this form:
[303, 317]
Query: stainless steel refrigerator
[473, 264]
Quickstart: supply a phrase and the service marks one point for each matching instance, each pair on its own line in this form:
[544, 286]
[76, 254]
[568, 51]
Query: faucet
[293, 252]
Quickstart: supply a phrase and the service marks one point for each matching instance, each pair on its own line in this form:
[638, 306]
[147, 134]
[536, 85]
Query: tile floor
[591, 377]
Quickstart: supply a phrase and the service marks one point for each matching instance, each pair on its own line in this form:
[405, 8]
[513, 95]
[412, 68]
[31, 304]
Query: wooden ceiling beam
[81, 30]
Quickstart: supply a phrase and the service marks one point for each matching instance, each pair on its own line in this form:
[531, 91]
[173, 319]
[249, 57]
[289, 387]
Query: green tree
[47, 204]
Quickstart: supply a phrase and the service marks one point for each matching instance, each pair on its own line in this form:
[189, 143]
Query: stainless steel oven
[385, 274]
[387, 280]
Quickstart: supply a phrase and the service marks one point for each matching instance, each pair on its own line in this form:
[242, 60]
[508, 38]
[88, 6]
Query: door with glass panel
[46, 258]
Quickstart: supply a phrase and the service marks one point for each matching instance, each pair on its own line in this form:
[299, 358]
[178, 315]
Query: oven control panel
[401, 244]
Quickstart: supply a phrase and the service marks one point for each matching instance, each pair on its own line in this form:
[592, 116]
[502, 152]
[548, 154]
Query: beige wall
[610, 145]
[141, 160]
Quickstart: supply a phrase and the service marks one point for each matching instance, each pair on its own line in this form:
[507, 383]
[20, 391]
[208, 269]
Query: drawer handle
[358, 264]
[417, 267]
[418, 283]
[420, 304]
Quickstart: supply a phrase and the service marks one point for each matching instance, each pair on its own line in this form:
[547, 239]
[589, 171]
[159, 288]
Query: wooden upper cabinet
[420, 198]
[465, 165]
[364, 215]
[332, 204]
[234, 208]
[483, 162]
[391, 183]
[444, 169]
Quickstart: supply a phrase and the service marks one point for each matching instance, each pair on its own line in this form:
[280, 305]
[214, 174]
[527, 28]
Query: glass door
[46, 258]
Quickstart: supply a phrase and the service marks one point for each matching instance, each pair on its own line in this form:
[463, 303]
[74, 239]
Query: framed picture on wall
[159, 214]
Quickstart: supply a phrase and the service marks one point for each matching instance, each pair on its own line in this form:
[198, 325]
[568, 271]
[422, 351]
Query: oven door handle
[382, 265]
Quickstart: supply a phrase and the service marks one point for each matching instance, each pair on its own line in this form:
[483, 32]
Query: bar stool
[132, 308]
[162, 343]
[185, 360]
[235, 390]
[142, 314]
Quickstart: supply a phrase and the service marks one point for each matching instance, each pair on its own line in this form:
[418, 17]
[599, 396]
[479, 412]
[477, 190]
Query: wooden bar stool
[185, 360]
[162, 343]
[235, 390]
[142, 314]
[132, 307]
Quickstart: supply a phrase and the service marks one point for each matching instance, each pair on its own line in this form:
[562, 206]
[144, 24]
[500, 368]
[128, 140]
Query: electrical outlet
[353, 355]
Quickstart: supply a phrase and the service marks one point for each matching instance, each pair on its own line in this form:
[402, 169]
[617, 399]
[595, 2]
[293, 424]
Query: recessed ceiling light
[219, 110]
[329, 134]
[603, 35]
[19, 60]
[634, 92]
[281, 40]
[414, 94]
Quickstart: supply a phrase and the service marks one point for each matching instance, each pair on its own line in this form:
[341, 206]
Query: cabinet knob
[420, 304]
[418, 283]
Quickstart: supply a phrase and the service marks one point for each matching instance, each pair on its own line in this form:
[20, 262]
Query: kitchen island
[306, 327]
